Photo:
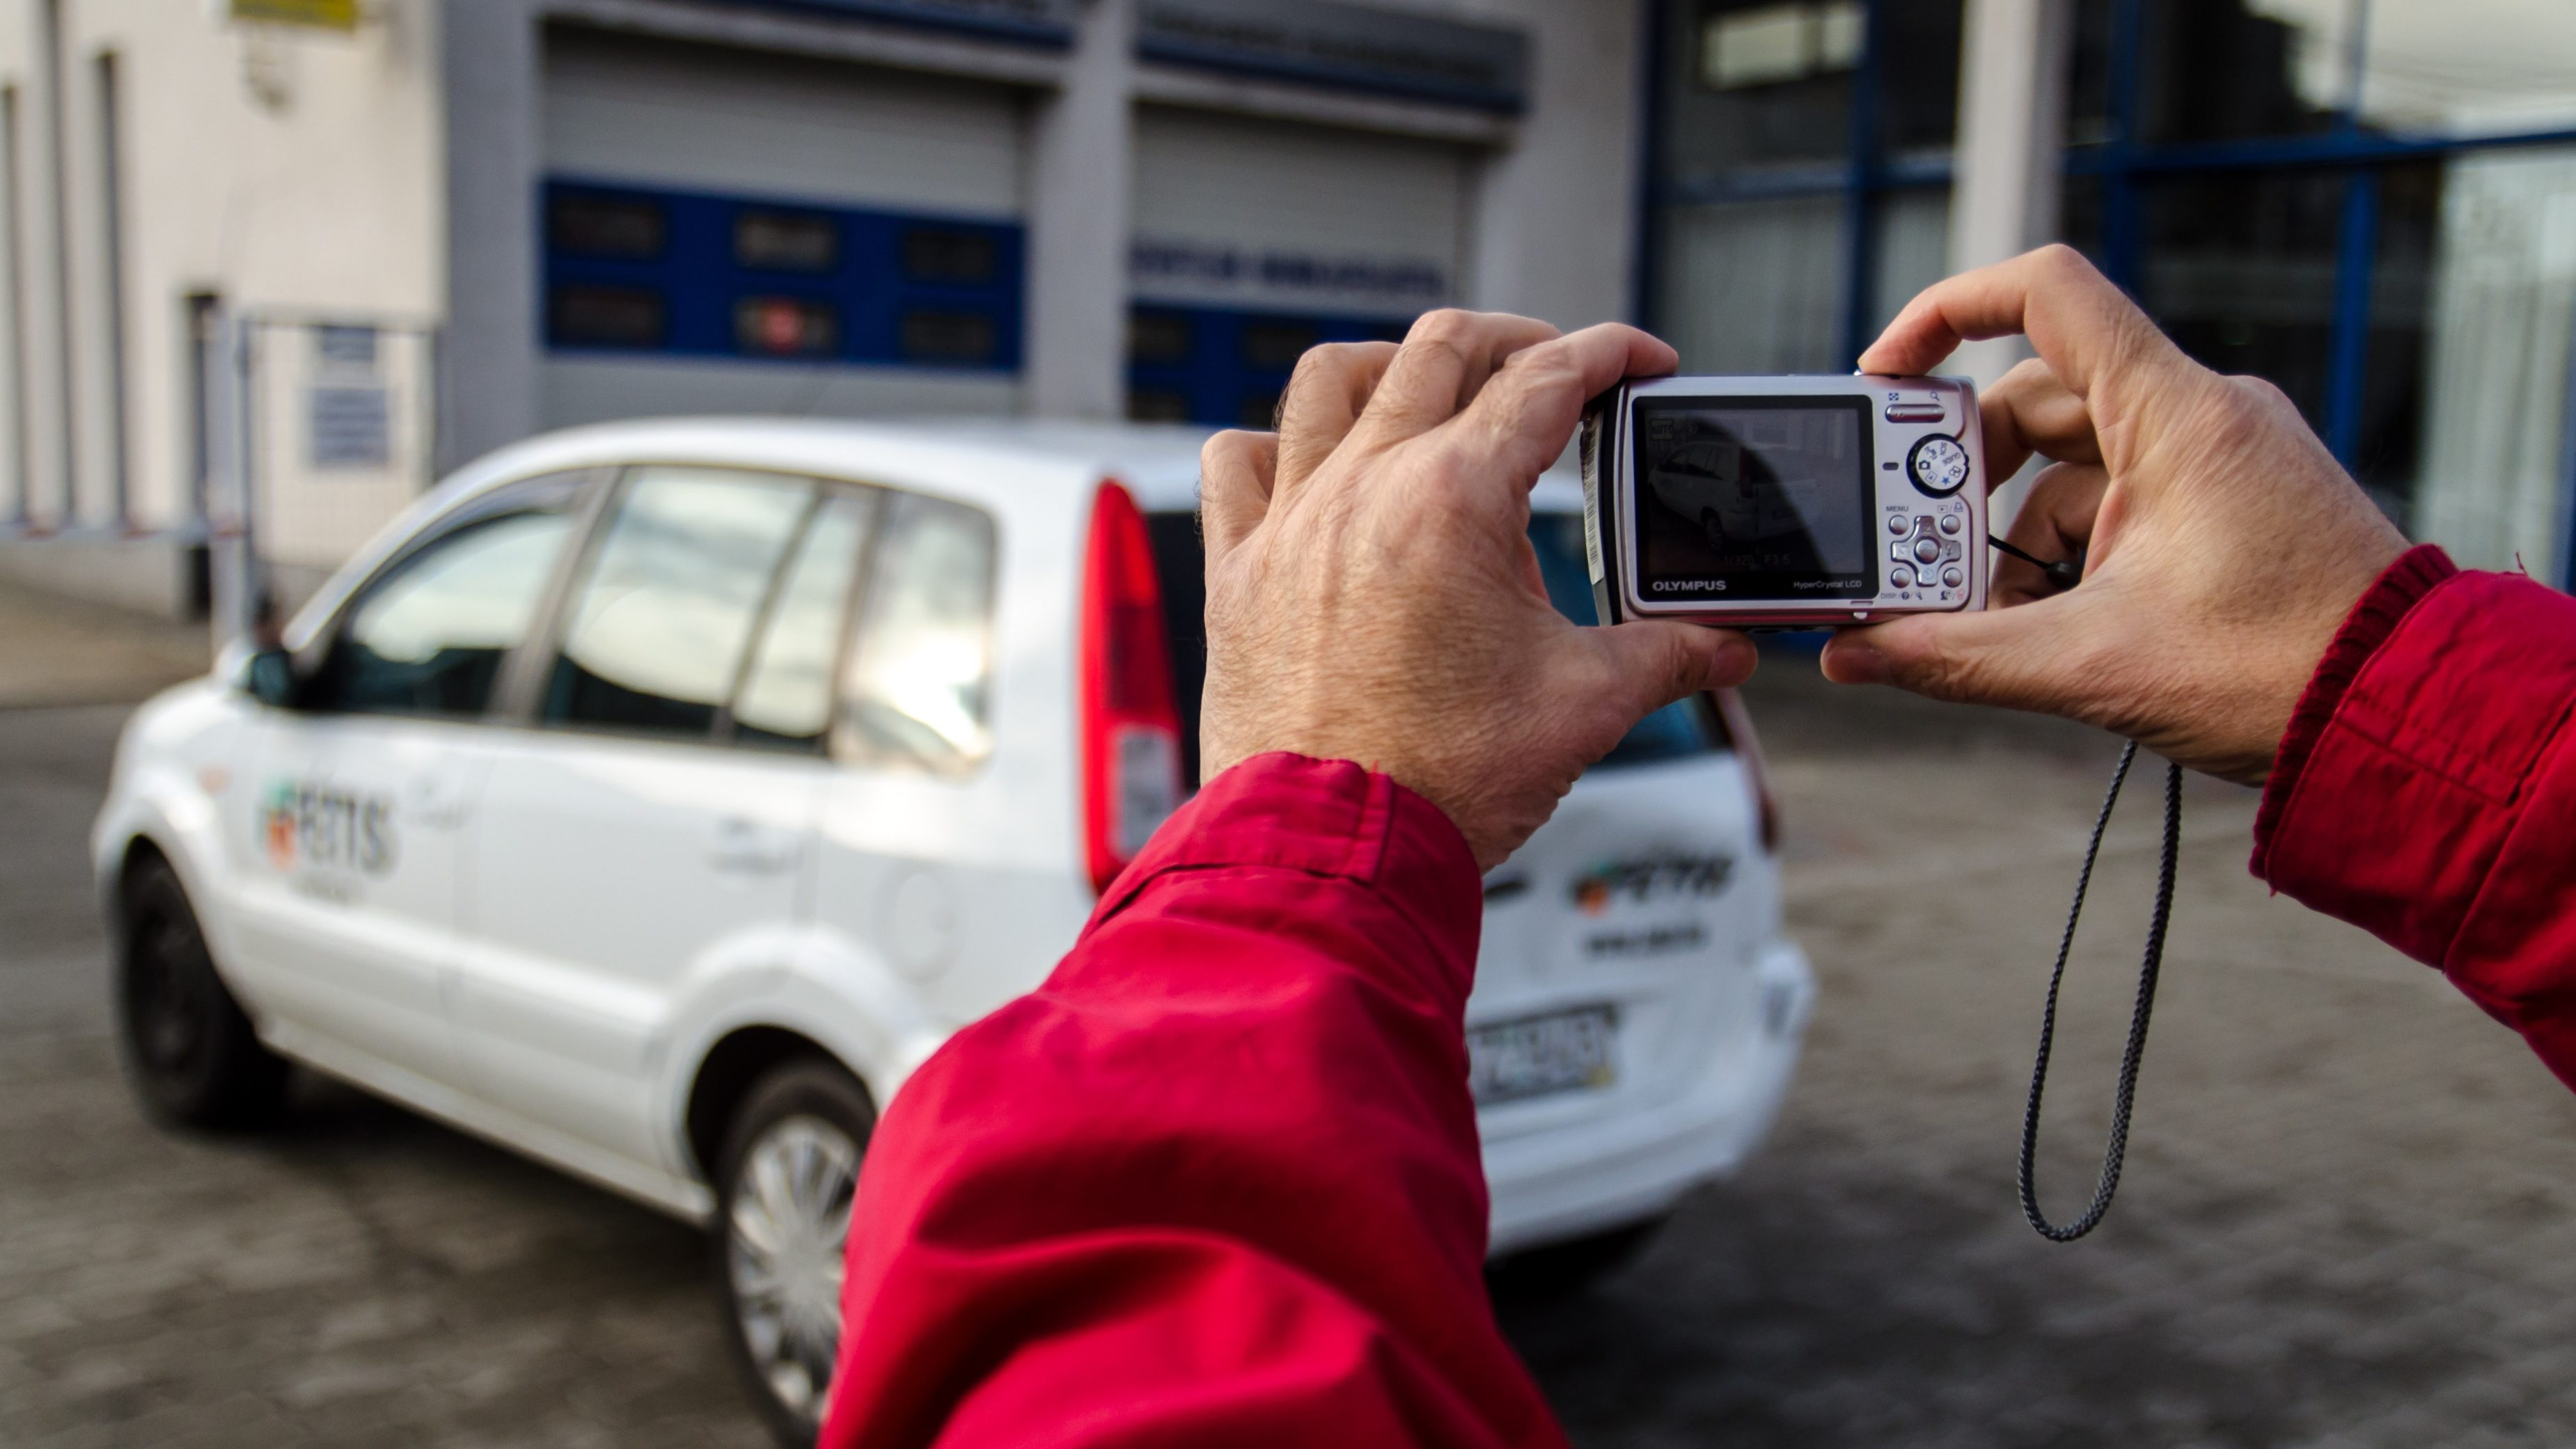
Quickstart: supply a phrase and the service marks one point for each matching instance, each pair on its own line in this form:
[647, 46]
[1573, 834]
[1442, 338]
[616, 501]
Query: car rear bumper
[1601, 1174]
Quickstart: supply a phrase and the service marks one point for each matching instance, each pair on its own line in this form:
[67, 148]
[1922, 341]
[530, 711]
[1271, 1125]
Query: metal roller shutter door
[703, 119]
[1310, 193]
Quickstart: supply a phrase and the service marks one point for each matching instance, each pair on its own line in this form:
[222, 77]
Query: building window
[1224, 366]
[782, 241]
[2372, 207]
[623, 229]
[786, 327]
[1799, 175]
[1778, 43]
[755, 278]
[623, 317]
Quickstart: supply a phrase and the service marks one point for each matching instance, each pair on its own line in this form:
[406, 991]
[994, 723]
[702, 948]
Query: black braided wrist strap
[2116, 1150]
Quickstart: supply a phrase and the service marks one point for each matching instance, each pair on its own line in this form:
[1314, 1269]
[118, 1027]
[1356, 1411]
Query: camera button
[1952, 577]
[1915, 412]
[1897, 524]
[1901, 577]
[1950, 548]
[1927, 550]
[1949, 523]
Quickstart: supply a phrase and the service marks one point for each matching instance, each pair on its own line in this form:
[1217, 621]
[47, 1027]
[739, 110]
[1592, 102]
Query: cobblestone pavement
[2346, 1220]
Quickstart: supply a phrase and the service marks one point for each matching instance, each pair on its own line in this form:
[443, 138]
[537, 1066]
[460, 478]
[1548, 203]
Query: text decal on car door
[1653, 878]
[319, 828]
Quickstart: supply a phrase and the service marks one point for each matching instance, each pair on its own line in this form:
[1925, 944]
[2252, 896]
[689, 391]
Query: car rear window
[1688, 727]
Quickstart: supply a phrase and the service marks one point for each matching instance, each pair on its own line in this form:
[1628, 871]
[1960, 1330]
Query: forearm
[1218, 1178]
[2427, 789]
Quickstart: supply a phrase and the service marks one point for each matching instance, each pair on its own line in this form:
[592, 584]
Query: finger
[2036, 658]
[1638, 668]
[2033, 411]
[1520, 422]
[1446, 360]
[2086, 329]
[2055, 522]
[1332, 383]
[1235, 473]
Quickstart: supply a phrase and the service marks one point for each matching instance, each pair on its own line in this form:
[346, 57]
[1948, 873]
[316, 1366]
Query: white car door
[349, 862]
[649, 824]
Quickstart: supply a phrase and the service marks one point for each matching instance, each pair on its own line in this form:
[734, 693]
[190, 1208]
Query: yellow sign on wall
[318, 14]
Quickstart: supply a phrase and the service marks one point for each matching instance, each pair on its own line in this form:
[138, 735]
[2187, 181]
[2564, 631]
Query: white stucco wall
[326, 200]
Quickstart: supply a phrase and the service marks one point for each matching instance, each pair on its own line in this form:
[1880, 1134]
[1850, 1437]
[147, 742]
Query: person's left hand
[1373, 595]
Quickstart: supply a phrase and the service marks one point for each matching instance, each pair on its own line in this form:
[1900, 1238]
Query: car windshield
[1677, 730]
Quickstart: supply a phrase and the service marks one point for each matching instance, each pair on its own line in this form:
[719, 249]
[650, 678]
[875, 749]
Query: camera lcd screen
[1754, 498]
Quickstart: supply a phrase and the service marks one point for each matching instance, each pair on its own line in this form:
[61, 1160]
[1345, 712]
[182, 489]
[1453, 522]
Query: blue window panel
[1226, 366]
[633, 270]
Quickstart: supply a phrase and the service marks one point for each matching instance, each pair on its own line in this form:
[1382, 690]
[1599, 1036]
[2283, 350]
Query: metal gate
[318, 428]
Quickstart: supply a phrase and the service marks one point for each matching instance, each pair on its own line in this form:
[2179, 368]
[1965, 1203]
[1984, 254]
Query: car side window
[785, 702]
[654, 636]
[921, 659]
[428, 634]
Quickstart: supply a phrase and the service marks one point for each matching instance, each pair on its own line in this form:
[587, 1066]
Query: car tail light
[1131, 732]
[1748, 748]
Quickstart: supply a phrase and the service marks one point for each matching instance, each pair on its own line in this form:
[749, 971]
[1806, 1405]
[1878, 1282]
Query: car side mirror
[271, 678]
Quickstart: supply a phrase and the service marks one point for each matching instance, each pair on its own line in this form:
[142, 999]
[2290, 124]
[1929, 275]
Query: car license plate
[1560, 1051]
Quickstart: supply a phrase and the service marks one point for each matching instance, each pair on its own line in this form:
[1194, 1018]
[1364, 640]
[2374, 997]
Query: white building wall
[316, 190]
[324, 191]
[1557, 211]
[39, 461]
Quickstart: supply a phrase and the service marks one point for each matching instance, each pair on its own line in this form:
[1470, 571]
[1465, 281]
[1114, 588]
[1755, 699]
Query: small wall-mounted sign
[311, 14]
[1219, 274]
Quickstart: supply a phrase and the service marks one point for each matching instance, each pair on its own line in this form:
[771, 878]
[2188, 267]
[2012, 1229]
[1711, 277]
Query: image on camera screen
[1754, 498]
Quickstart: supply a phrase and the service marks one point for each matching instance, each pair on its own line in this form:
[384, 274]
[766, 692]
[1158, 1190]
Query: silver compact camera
[1784, 502]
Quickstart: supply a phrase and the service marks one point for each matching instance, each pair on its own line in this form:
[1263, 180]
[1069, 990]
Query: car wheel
[784, 1185]
[1553, 1271]
[188, 1049]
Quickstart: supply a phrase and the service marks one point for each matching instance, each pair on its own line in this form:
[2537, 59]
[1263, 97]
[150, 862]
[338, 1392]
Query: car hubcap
[790, 1219]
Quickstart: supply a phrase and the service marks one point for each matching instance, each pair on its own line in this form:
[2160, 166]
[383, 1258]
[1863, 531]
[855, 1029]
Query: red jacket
[1217, 1182]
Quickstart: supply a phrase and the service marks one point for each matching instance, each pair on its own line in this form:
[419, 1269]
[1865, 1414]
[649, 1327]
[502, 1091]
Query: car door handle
[437, 802]
[748, 847]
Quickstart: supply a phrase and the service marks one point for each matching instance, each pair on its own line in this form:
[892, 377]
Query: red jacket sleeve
[2426, 790]
[1217, 1181]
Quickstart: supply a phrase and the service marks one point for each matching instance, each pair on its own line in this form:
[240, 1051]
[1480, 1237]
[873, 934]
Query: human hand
[1372, 592]
[2224, 544]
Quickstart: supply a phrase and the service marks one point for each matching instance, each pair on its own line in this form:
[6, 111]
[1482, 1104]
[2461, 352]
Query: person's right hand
[2225, 546]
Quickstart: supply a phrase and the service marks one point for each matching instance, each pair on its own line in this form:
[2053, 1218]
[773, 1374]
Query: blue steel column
[1860, 190]
[2120, 213]
[2348, 341]
[1647, 254]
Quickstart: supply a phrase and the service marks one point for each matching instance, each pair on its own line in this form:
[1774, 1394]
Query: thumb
[2033, 657]
[1650, 663]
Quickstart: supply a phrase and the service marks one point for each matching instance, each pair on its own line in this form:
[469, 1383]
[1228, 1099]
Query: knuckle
[2063, 262]
[1449, 325]
[1323, 360]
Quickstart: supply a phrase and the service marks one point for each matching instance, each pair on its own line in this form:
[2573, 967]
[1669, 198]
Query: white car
[653, 798]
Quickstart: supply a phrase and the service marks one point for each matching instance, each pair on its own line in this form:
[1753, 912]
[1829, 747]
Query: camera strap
[2115, 1151]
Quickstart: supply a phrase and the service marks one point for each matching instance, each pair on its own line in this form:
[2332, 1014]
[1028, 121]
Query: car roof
[1158, 462]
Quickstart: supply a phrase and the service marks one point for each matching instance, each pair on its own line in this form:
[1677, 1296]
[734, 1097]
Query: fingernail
[1854, 661]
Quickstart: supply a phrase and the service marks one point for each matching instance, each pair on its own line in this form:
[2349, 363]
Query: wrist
[2367, 625]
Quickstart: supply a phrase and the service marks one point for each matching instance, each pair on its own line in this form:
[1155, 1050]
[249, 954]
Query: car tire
[1554, 1271]
[784, 1184]
[189, 1050]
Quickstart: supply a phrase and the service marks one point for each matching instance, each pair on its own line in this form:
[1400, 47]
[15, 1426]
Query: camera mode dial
[1938, 466]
